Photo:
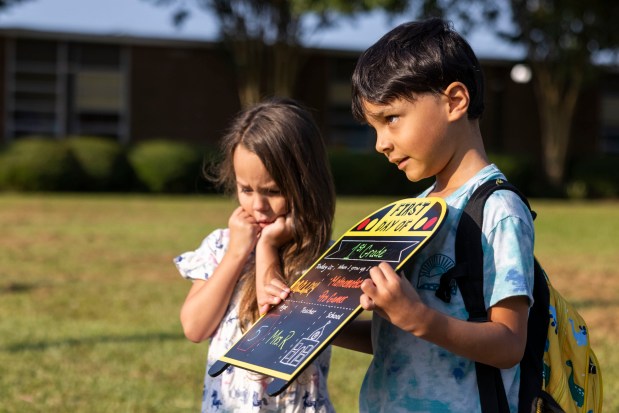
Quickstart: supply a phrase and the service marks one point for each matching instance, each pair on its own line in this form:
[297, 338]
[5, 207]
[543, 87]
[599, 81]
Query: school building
[132, 89]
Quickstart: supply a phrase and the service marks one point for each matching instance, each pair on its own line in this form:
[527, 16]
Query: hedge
[39, 164]
[594, 177]
[357, 173]
[167, 166]
[104, 163]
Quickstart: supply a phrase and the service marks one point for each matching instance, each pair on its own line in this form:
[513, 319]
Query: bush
[370, 174]
[594, 177]
[104, 163]
[518, 169]
[167, 166]
[39, 164]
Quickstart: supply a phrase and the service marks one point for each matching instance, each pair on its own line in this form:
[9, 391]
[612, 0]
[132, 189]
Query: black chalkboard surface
[326, 297]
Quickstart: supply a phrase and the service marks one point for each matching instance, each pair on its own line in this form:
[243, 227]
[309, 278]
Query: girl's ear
[459, 99]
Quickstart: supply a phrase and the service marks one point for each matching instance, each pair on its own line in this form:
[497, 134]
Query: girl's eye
[245, 189]
[273, 191]
[391, 119]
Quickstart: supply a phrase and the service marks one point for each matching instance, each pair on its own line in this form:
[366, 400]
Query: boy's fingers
[368, 287]
[378, 275]
[367, 303]
[387, 271]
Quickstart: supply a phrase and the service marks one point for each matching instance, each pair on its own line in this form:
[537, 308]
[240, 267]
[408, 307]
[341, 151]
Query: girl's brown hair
[288, 142]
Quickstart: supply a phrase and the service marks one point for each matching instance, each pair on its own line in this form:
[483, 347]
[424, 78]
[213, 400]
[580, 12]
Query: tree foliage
[5, 4]
[561, 38]
[264, 37]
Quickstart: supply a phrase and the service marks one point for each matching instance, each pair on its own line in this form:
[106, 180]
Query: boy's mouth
[400, 163]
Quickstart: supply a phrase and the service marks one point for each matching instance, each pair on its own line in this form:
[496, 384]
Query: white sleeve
[200, 264]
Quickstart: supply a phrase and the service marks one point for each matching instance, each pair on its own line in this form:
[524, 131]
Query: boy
[421, 88]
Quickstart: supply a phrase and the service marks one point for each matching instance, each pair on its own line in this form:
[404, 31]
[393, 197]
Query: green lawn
[89, 297]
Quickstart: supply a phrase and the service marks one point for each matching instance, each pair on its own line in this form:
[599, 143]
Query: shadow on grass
[17, 287]
[73, 342]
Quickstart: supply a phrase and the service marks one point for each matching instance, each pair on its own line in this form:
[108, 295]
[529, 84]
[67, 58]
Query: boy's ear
[459, 99]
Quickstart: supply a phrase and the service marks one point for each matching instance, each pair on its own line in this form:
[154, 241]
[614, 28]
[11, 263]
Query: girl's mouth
[264, 223]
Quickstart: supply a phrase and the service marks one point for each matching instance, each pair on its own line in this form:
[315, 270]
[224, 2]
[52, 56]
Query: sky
[143, 19]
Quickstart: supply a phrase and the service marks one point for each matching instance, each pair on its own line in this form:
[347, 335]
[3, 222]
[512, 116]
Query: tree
[264, 36]
[561, 38]
[5, 4]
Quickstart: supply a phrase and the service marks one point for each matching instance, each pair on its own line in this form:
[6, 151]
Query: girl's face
[258, 194]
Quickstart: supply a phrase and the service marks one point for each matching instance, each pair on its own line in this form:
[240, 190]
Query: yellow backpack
[559, 372]
[571, 372]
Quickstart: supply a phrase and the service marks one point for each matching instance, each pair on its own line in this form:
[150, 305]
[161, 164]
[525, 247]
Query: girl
[274, 159]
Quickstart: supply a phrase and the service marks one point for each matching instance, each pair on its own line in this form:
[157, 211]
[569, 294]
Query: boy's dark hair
[416, 58]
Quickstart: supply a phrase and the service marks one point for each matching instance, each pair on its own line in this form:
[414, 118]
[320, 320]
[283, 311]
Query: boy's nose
[382, 145]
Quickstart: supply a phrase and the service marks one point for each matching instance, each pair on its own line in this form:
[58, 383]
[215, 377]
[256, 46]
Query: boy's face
[414, 135]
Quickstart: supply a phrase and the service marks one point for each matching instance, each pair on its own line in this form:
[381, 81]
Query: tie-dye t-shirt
[408, 374]
[236, 389]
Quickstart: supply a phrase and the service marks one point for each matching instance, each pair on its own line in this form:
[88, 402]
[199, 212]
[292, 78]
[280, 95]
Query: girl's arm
[206, 302]
[500, 342]
[271, 288]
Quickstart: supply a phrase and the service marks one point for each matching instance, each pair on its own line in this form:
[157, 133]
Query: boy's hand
[244, 232]
[392, 297]
[271, 294]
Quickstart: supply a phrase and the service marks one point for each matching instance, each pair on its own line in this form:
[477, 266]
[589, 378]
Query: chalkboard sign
[326, 297]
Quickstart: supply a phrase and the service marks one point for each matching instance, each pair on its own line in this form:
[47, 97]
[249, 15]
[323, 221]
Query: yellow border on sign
[400, 206]
[300, 367]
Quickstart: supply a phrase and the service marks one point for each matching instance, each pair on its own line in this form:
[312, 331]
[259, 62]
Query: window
[33, 92]
[66, 88]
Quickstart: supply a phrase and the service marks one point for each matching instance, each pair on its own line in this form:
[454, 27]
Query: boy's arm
[500, 342]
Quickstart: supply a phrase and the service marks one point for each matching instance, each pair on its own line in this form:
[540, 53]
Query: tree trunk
[283, 77]
[557, 102]
[248, 57]
[264, 70]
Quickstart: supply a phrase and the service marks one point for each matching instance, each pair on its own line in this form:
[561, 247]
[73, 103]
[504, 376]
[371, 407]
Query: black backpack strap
[532, 364]
[468, 274]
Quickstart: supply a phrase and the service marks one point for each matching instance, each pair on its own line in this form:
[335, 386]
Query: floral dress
[236, 389]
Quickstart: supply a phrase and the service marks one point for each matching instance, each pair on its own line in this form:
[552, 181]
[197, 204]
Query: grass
[89, 297]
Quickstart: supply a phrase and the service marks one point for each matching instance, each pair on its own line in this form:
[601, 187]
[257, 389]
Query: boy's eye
[245, 189]
[391, 119]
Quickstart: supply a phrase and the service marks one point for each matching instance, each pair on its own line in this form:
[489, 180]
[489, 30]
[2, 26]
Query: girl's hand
[271, 294]
[279, 232]
[270, 286]
[244, 232]
[392, 297]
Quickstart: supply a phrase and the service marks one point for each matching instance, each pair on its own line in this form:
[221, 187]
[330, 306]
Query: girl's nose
[260, 203]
